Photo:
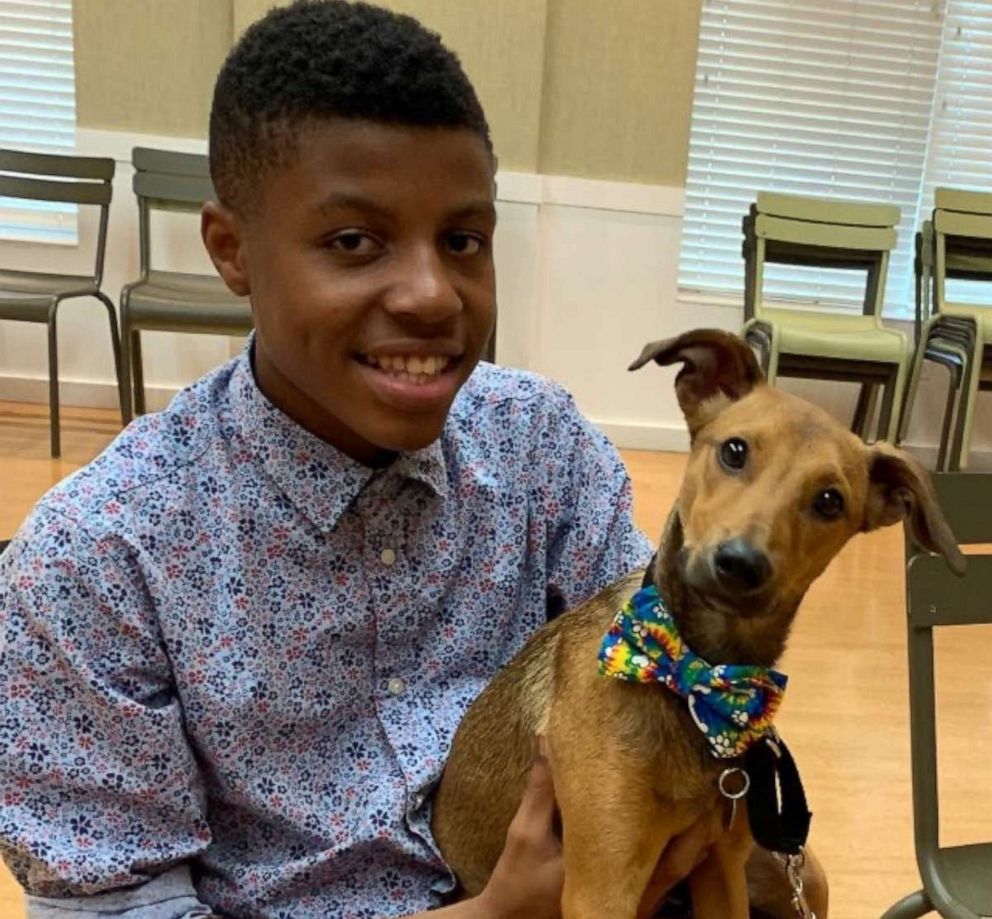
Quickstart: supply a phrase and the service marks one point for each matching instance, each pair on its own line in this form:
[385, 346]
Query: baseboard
[79, 393]
[625, 435]
[96, 394]
[659, 437]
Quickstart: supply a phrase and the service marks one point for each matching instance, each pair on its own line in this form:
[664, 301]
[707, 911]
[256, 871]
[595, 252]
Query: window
[822, 97]
[960, 154]
[37, 107]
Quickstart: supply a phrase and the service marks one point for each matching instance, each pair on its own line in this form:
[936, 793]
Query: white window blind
[822, 97]
[960, 154]
[37, 107]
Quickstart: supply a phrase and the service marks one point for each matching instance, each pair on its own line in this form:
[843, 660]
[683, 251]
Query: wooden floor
[845, 714]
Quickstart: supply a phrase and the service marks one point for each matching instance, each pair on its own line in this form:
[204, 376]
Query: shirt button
[396, 686]
[387, 557]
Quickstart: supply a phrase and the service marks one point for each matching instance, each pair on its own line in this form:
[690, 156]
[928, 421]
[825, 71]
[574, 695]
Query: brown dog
[773, 489]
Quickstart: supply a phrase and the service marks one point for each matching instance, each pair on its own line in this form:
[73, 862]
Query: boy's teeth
[410, 367]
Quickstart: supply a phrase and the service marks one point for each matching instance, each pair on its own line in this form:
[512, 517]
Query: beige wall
[591, 88]
[148, 65]
[618, 84]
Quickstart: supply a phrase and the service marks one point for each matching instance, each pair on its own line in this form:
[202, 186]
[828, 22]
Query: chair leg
[966, 407]
[887, 424]
[864, 411]
[127, 406]
[891, 414]
[137, 373]
[914, 383]
[122, 394]
[911, 907]
[53, 383]
[954, 381]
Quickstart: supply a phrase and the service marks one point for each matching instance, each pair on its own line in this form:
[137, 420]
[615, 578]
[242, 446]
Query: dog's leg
[614, 829]
[719, 888]
[719, 884]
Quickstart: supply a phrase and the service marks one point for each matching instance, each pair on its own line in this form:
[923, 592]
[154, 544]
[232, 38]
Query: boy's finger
[537, 806]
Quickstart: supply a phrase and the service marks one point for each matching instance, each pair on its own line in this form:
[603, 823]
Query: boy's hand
[527, 880]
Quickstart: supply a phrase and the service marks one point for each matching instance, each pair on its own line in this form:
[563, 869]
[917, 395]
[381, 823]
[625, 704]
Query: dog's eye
[829, 504]
[733, 453]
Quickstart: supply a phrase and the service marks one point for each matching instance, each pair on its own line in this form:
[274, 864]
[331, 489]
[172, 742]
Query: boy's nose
[424, 288]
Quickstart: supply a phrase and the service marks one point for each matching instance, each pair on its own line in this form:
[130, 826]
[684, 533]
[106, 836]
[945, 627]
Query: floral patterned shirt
[232, 659]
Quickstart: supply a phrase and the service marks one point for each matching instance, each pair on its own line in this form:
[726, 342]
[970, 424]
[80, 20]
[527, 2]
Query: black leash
[776, 801]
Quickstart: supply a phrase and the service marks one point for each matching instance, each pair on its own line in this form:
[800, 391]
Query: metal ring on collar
[726, 774]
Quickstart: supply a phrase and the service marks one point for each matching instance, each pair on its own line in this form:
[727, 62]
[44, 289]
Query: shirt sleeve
[100, 789]
[592, 539]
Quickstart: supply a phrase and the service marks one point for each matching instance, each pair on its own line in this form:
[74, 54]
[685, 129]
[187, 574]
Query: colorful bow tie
[732, 704]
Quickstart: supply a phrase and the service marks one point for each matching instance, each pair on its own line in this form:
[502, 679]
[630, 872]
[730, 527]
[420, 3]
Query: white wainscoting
[586, 273]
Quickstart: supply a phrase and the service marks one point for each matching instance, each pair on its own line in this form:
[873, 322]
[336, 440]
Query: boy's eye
[354, 242]
[464, 244]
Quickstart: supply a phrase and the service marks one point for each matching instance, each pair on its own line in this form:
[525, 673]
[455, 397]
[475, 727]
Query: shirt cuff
[168, 896]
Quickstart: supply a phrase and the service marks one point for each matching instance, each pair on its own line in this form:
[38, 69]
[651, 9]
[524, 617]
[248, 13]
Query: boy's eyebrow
[337, 200]
[341, 200]
[484, 209]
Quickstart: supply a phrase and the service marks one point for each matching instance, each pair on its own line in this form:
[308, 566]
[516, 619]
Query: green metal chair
[962, 222]
[941, 339]
[33, 296]
[171, 301]
[821, 343]
[957, 880]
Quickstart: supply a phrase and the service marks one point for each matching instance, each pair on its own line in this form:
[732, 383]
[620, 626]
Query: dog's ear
[899, 489]
[718, 367]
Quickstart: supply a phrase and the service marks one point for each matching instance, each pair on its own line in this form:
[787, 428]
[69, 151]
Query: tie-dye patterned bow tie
[732, 704]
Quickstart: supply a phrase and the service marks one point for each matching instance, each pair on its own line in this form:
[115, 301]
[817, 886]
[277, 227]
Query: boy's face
[369, 264]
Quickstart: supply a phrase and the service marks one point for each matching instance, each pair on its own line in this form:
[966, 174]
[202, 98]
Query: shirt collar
[316, 477]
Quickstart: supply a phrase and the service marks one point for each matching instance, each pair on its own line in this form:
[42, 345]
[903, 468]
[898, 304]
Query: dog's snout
[739, 564]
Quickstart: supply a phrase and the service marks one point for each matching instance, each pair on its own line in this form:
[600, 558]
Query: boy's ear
[223, 235]
[899, 489]
[718, 368]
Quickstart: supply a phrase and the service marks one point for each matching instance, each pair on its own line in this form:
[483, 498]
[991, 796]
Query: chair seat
[27, 296]
[967, 872]
[835, 336]
[172, 301]
[981, 314]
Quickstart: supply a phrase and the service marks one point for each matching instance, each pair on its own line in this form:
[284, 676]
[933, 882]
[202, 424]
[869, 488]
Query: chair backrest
[937, 597]
[962, 242]
[167, 181]
[81, 180]
[818, 232]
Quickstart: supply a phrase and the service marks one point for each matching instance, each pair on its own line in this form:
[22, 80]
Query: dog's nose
[739, 564]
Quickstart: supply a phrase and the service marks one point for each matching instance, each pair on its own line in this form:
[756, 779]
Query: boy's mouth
[412, 368]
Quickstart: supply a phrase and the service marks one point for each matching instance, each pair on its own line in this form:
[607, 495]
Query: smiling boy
[234, 649]
[237, 645]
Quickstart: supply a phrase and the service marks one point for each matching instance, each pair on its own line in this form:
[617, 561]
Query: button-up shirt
[232, 660]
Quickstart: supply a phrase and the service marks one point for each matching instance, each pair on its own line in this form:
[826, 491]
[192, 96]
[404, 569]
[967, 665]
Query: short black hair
[320, 59]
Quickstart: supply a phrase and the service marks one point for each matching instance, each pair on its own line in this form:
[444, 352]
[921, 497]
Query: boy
[237, 645]
[239, 642]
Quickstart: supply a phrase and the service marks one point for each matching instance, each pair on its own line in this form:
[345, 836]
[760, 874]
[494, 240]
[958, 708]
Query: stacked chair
[820, 343]
[171, 301]
[955, 244]
[957, 880]
[33, 296]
